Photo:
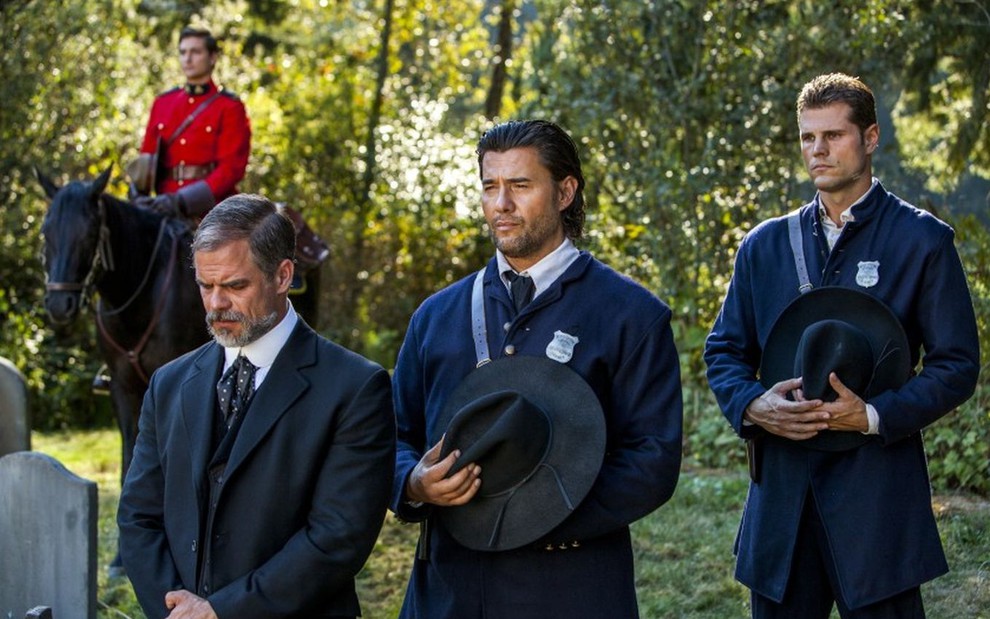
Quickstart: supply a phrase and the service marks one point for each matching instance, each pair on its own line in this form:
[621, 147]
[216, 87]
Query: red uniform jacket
[219, 135]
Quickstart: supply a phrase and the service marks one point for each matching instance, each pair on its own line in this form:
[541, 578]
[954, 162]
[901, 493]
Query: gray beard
[253, 328]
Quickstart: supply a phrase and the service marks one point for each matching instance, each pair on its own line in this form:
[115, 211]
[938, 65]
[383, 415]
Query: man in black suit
[264, 459]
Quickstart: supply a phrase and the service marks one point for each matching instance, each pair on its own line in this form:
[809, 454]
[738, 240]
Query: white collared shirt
[832, 231]
[262, 351]
[546, 271]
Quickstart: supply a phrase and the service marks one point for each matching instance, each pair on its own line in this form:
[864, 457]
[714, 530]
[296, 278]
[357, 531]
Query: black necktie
[235, 389]
[522, 288]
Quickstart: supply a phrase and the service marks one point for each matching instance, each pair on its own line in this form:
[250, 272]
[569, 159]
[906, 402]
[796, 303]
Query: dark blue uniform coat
[875, 501]
[304, 492]
[625, 351]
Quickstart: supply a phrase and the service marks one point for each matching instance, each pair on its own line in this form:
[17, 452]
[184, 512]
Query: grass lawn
[683, 550]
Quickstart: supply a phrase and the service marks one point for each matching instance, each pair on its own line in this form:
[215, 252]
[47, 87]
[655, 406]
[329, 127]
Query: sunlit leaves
[683, 112]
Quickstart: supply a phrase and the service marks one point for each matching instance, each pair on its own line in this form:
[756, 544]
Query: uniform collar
[547, 270]
[848, 214]
[860, 210]
[197, 90]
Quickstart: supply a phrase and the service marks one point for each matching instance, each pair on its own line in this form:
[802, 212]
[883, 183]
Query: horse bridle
[134, 355]
[102, 257]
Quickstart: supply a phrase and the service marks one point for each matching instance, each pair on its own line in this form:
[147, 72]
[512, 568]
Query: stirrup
[101, 382]
[298, 285]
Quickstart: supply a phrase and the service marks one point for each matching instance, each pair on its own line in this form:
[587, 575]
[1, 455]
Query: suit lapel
[282, 387]
[198, 410]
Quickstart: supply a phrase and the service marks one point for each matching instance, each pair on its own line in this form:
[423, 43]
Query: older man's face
[242, 303]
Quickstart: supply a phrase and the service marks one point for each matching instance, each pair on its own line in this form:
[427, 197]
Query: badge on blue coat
[561, 348]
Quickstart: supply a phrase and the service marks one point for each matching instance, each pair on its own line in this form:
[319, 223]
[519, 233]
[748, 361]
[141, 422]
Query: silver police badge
[561, 349]
[868, 274]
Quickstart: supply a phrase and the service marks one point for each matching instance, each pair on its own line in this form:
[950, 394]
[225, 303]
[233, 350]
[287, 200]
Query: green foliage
[958, 453]
[943, 111]
[683, 112]
[309, 89]
[57, 115]
[696, 143]
[685, 157]
[709, 441]
[958, 447]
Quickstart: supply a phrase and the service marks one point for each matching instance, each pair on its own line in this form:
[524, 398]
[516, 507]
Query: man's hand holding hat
[537, 451]
[825, 333]
[848, 412]
[797, 420]
[428, 482]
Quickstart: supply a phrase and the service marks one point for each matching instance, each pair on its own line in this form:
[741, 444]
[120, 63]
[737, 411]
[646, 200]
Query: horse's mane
[78, 192]
[118, 203]
[177, 227]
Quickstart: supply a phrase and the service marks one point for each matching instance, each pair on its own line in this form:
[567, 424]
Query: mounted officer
[197, 140]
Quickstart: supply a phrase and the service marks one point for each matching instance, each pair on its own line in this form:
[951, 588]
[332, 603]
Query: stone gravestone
[15, 431]
[48, 539]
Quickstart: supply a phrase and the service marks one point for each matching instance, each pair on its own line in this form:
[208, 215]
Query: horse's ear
[101, 182]
[46, 183]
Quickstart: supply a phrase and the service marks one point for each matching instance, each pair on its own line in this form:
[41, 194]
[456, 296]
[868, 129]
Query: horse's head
[72, 237]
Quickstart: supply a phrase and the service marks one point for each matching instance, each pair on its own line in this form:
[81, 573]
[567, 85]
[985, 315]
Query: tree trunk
[503, 51]
[365, 199]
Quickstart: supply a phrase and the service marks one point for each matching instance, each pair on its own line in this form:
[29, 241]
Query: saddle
[311, 250]
[144, 172]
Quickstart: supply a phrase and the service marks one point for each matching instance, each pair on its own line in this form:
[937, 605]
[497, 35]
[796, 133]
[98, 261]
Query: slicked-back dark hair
[557, 152]
[270, 234]
[211, 42]
[830, 88]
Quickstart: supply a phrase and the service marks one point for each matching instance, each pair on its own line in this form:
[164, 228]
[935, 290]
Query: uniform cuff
[197, 198]
[873, 419]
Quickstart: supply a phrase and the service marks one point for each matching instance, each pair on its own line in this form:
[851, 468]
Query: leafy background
[366, 113]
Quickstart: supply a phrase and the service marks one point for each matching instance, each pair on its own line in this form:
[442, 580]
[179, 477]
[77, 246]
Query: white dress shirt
[544, 272]
[262, 352]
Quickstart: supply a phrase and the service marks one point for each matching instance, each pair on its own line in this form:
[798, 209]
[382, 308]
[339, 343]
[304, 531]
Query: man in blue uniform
[852, 527]
[612, 332]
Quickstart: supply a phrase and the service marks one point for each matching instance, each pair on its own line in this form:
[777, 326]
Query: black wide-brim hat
[537, 430]
[817, 329]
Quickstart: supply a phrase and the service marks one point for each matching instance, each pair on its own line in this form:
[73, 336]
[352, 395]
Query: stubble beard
[529, 241]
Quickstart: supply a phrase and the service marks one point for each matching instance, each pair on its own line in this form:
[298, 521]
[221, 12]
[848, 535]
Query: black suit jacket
[304, 491]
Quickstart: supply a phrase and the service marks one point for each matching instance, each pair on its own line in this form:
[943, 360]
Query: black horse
[133, 257]
[148, 310]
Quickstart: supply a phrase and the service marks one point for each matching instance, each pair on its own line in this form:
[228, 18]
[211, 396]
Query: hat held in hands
[537, 431]
[841, 330]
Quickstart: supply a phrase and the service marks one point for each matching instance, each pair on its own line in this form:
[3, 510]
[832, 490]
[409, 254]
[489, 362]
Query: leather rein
[104, 258]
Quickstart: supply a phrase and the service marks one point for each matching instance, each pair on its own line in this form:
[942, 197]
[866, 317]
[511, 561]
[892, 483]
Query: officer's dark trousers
[812, 587]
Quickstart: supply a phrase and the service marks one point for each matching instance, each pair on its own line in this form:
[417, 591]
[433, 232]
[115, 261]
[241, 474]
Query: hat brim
[569, 470]
[872, 316]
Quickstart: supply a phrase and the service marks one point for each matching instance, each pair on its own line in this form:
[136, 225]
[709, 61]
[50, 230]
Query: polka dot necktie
[235, 389]
[522, 289]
